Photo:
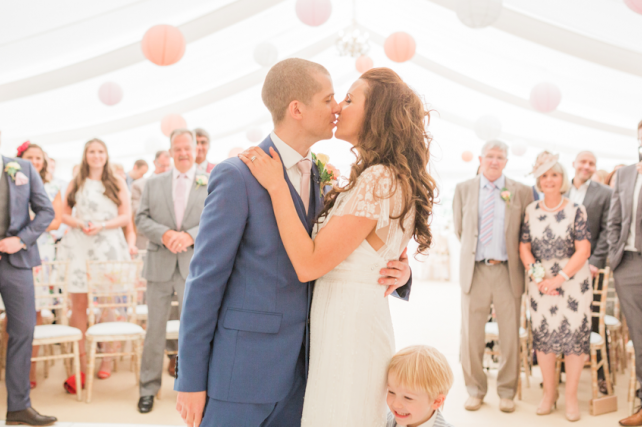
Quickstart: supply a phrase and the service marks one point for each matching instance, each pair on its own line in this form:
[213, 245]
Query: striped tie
[488, 211]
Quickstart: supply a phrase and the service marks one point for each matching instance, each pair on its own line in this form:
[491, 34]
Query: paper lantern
[545, 97]
[363, 64]
[634, 5]
[171, 122]
[518, 147]
[466, 156]
[266, 54]
[254, 135]
[313, 12]
[234, 152]
[478, 13]
[163, 45]
[488, 127]
[400, 47]
[110, 93]
[154, 144]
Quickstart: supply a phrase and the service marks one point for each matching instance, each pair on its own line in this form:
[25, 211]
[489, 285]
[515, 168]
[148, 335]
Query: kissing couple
[287, 292]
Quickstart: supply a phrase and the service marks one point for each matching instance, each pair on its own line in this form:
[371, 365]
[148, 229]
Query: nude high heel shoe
[547, 411]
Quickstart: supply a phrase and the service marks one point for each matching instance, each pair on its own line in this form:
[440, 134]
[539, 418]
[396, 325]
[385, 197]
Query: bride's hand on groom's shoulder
[268, 170]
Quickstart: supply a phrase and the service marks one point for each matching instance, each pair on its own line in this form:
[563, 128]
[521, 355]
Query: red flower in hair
[23, 148]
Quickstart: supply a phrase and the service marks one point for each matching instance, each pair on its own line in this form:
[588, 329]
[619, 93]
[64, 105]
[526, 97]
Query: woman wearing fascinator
[555, 247]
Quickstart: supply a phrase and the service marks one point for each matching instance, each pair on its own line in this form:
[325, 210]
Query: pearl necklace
[546, 208]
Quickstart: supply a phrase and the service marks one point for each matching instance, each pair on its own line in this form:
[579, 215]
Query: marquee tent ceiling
[55, 55]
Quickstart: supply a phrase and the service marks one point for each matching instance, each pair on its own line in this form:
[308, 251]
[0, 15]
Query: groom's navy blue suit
[244, 324]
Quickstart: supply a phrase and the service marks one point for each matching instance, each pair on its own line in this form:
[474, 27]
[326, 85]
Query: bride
[387, 201]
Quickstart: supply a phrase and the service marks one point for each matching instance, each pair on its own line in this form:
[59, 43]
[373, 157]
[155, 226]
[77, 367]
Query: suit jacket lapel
[510, 186]
[590, 195]
[474, 199]
[191, 199]
[630, 188]
[10, 185]
[169, 198]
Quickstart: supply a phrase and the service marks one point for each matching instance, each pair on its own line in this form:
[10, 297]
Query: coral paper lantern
[488, 127]
[313, 12]
[234, 152]
[163, 45]
[266, 54]
[518, 147]
[545, 97]
[400, 47]
[634, 5]
[172, 122]
[110, 93]
[254, 135]
[466, 156]
[478, 13]
[363, 64]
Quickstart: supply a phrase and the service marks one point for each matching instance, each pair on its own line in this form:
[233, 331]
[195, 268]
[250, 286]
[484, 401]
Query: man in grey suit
[20, 189]
[169, 215]
[625, 244]
[488, 212]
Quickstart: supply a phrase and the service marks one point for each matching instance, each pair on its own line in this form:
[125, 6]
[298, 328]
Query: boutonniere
[328, 174]
[505, 195]
[201, 180]
[13, 170]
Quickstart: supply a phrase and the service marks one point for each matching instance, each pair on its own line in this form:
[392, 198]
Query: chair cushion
[492, 328]
[55, 331]
[115, 328]
[46, 313]
[629, 345]
[172, 329]
[141, 310]
[596, 339]
[611, 321]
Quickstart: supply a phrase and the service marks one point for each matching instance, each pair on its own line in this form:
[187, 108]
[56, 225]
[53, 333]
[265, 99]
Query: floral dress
[561, 323]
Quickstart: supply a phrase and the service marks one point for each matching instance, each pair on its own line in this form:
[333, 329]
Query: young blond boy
[419, 379]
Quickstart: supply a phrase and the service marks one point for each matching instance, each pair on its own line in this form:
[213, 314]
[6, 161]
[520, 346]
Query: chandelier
[354, 43]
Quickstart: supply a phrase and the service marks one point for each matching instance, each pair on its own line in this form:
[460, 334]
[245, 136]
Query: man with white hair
[488, 212]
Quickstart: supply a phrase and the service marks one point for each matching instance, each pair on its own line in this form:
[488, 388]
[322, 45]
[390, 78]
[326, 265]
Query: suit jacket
[21, 197]
[466, 219]
[156, 215]
[620, 213]
[137, 193]
[597, 203]
[245, 313]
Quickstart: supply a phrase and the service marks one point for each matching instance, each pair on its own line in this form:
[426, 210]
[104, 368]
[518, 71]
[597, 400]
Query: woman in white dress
[101, 203]
[387, 200]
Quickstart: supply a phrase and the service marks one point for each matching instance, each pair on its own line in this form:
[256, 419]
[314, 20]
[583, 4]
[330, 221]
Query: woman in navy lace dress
[555, 233]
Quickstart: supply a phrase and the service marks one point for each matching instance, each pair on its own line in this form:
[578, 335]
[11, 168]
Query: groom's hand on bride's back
[191, 406]
[396, 275]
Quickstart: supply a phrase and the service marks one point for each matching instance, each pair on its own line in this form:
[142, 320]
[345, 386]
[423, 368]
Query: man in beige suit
[488, 211]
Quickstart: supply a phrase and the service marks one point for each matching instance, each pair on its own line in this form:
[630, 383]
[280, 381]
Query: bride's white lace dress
[352, 340]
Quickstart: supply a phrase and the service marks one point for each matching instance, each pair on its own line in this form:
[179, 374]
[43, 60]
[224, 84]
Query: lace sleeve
[580, 228]
[525, 235]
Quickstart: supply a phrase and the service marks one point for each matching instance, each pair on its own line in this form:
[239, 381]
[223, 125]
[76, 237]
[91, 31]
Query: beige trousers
[491, 285]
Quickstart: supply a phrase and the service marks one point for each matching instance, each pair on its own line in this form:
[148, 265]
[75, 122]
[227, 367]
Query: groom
[243, 344]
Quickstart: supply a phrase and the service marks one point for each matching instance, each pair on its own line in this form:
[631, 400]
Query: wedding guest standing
[101, 203]
[202, 148]
[169, 216]
[488, 211]
[625, 247]
[555, 234]
[138, 171]
[20, 189]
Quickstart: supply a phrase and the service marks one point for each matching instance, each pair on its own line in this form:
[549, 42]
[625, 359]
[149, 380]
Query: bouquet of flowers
[537, 272]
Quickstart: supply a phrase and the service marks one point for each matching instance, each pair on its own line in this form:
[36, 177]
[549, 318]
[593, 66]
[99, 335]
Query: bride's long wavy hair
[394, 134]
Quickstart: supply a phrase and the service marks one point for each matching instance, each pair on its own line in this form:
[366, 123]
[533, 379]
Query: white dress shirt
[290, 157]
[630, 241]
[577, 195]
[190, 180]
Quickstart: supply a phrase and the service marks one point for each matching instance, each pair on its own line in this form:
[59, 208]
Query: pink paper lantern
[234, 152]
[634, 5]
[545, 97]
[110, 93]
[467, 156]
[171, 122]
[400, 47]
[313, 12]
[363, 64]
[163, 45]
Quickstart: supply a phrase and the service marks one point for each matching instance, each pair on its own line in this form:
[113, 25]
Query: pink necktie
[304, 167]
[179, 200]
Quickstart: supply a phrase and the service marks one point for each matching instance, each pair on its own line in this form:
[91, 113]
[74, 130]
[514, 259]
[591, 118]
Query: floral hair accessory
[23, 147]
[544, 162]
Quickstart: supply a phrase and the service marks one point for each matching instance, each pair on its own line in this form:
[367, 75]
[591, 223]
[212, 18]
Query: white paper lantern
[154, 144]
[254, 135]
[518, 147]
[545, 97]
[266, 54]
[110, 93]
[313, 12]
[488, 127]
[478, 13]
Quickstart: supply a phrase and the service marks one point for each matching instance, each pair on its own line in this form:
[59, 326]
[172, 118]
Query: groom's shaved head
[290, 80]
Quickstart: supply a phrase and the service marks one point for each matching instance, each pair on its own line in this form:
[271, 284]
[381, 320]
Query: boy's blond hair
[424, 368]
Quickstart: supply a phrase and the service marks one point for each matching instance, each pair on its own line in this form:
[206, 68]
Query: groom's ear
[295, 110]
